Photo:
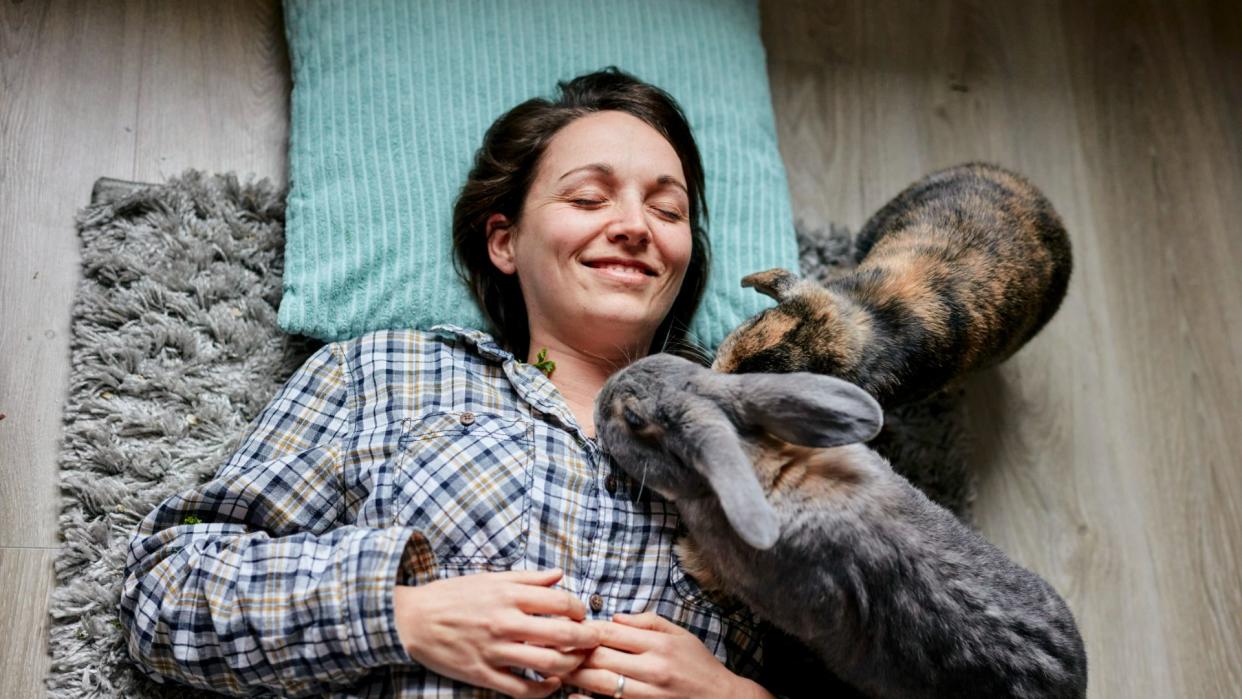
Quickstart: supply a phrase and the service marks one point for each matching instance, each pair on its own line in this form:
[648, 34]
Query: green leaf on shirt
[547, 366]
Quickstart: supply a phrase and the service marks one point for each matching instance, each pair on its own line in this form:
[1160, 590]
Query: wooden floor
[1109, 448]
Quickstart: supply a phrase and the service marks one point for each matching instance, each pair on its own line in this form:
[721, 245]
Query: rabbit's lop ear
[716, 452]
[810, 410]
[775, 282]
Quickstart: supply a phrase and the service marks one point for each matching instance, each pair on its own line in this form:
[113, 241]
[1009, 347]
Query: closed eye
[633, 419]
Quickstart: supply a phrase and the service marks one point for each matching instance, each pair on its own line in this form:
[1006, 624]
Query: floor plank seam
[31, 548]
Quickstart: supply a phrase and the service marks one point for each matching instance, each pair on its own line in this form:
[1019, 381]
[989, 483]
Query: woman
[427, 511]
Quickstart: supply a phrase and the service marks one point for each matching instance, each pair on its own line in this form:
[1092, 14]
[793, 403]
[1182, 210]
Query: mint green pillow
[391, 99]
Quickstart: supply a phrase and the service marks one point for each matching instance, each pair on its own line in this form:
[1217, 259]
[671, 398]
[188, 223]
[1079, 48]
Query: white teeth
[626, 269]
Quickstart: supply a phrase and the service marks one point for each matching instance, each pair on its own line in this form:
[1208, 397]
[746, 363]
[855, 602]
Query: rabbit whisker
[685, 346]
[610, 360]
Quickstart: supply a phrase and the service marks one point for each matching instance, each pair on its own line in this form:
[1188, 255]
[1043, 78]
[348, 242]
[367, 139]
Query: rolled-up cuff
[404, 558]
[418, 561]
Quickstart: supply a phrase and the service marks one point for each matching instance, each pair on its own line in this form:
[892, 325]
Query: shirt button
[611, 484]
[597, 603]
[466, 418]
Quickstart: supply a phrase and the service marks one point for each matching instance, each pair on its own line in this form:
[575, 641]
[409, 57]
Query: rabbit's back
[957, 272]
[976, 252]
[872, 576]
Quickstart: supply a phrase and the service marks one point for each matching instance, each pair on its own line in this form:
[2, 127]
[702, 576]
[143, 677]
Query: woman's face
[604, 238]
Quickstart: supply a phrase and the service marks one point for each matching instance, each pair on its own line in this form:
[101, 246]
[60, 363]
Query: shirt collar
[483, 343]
[530, 383]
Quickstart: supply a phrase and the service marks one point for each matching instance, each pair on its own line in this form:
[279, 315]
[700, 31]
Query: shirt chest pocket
[464, 480]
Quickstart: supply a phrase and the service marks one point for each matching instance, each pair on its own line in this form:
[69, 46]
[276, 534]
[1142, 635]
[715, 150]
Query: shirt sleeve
[250, 582]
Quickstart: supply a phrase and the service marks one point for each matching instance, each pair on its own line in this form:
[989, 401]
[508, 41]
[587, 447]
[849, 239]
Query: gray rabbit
[788, 512]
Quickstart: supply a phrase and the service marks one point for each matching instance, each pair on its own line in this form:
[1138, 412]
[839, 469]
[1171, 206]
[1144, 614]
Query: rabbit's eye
[633, 419]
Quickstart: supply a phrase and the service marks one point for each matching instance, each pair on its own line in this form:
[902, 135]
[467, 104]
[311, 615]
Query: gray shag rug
[175, 349]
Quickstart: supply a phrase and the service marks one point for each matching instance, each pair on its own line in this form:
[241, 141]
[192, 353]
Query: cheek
[545, 240]
[676, 249]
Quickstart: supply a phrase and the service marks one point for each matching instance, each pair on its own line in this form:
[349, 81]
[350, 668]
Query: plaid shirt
[398, 457]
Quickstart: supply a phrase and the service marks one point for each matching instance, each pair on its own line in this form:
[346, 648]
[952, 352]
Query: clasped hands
[473, 628]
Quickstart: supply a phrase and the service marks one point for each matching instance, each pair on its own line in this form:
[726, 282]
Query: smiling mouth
[621, 270]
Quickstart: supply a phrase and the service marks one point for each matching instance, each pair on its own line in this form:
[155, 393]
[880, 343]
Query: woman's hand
[474, 627]
[658, 659]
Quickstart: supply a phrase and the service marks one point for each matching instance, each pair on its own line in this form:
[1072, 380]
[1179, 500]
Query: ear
[775, 282]
[500, 243]
[810, 410]
[716, 452]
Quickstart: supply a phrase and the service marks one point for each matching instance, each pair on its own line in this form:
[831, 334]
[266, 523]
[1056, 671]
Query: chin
[618, 328]
[637, 320]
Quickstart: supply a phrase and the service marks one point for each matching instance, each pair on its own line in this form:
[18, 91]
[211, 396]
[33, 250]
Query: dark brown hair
[504, 168]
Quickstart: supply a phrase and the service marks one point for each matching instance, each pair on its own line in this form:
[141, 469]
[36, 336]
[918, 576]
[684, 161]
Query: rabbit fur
[955, 273]
[790, 513]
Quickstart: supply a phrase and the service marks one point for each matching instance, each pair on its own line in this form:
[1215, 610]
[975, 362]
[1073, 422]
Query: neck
[579, 374]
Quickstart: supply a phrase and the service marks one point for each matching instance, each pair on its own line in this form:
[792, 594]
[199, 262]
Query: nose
[630, 228]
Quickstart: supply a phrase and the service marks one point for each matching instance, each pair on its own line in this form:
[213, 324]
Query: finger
[626, 638]
[617, 661]
[647, 620]
[520, 687]
[530, 577]
[540, 600]
[545, 661]
[555, 633]
[605, 682]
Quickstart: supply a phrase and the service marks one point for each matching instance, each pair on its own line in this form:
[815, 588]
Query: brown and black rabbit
[956, 273]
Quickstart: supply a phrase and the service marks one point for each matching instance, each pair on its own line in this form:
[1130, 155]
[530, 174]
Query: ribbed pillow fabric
[391, 99]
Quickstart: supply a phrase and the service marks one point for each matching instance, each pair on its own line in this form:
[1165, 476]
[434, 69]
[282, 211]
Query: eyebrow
[606, 169]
